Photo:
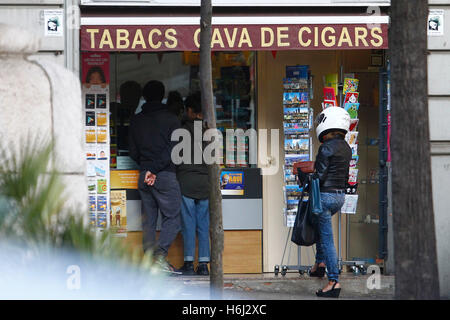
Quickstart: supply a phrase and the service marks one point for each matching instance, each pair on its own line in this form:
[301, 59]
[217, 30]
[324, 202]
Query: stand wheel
[355, 270]
[277, 270]
[362, 270]
[283, 270]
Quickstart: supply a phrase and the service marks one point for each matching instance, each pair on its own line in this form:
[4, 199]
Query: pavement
[292, 286]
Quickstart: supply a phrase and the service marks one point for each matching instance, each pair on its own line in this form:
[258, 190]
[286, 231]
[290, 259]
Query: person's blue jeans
[325, 249]
[195, 220]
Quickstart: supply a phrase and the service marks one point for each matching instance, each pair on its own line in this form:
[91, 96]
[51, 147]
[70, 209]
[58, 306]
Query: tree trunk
[215, 198]
[416, 271]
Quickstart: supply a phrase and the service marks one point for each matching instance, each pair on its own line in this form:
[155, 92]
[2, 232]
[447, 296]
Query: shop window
[233, 76]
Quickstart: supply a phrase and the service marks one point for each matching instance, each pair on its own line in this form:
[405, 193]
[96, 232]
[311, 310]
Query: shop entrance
[360, 231]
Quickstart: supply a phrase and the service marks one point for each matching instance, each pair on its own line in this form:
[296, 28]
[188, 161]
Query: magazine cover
[350, 85]
[232, 183]
[354, 149]
[118, 212]
[332, 80]
[91, 136]
[352, 109]
[329, 96]
[102, 119]
[353, 176]
[351, 137]
[350, 204]
[354, 161]
[351, 97]
[353, 124]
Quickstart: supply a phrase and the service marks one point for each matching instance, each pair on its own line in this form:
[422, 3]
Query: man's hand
[149, 178]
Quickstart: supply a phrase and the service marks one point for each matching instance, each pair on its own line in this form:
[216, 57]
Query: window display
[234, 95]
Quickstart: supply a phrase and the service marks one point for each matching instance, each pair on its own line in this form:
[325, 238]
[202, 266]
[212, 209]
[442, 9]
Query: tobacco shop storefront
[267, 70]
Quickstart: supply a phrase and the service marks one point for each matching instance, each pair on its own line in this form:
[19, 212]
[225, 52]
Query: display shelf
[297, 127]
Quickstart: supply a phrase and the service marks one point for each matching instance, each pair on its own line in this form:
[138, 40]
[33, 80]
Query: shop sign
[234, 37]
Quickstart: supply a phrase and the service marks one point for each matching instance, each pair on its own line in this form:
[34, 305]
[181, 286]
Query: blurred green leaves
[33, 210]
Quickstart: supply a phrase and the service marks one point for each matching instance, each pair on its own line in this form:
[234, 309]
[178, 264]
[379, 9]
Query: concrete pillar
[42, 100]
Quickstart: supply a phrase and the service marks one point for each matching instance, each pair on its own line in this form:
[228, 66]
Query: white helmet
[330, 119]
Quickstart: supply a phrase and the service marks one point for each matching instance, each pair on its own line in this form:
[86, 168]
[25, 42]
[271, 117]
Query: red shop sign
[234, 37]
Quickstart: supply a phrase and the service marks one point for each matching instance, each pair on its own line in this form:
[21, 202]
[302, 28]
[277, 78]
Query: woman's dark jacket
[332, 164]
[193, 178]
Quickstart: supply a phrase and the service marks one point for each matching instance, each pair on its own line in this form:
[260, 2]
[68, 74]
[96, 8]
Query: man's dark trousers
[164, 195]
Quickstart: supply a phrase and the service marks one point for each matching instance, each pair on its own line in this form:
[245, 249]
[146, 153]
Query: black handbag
[305, 231]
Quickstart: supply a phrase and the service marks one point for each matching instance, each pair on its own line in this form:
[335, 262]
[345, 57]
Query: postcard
[295, 145]
[290, 159]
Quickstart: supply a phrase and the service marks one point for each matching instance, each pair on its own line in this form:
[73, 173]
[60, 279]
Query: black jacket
[150, 134]
[193, 178]
[332, 164]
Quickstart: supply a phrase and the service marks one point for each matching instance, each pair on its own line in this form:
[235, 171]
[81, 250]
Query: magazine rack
[357, 266]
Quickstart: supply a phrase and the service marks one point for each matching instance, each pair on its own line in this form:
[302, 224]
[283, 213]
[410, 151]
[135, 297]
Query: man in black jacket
[150, 146]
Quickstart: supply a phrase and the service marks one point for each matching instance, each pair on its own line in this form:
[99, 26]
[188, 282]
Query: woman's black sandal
[333, 293]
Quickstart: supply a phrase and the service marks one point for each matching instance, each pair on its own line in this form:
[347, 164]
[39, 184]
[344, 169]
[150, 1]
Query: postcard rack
[297, 126]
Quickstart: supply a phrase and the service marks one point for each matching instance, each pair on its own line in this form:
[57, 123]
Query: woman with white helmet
[331, 167]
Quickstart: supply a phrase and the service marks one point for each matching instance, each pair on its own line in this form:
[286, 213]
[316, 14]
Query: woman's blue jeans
[195, 220]
[325, 249]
